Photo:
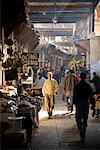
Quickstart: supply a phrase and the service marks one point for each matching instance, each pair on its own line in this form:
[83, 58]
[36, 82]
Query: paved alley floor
[61, 133]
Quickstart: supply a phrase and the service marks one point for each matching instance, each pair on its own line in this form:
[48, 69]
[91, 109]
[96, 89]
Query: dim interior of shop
[42, 42]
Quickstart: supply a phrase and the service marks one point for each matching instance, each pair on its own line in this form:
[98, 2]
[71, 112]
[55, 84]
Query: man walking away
[81, 94]
[50, 89]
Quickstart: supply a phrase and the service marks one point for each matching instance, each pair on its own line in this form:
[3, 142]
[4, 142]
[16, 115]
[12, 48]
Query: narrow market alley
[61, 133]
[46, 45]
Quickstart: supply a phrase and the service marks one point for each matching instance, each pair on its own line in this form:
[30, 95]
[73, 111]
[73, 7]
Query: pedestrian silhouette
[81, 98]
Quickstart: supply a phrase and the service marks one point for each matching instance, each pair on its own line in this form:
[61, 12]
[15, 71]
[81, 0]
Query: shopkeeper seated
[39, 81]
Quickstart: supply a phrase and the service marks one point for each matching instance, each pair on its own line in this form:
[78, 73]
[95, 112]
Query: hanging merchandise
[10, 51]
[9, 42]
[7, 63]
[11, 74]
[19, 64]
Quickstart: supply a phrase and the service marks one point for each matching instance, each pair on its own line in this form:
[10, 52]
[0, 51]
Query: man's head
[39, 75]
[94, 74]
[49, 75]
[71, 71]
[83, 75]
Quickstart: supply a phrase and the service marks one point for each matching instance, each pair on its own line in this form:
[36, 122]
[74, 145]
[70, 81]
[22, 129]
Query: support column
[39, 60]
[88, 60]
[92, 20]
[53, 64]
[61, 61]
[43, 59]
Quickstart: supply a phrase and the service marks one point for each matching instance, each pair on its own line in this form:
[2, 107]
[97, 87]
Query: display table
[37, 91]
[27, 84]
[98, 105]
[15, 139]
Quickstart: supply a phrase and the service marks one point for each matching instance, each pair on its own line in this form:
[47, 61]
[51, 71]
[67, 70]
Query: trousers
[49, 103]
[82, 111]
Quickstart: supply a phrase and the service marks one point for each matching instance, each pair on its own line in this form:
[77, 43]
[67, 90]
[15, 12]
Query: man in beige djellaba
[69, 83]
[50, 89]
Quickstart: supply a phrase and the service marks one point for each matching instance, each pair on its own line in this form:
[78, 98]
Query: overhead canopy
[51, 50]
[25, 36]
[66, 11]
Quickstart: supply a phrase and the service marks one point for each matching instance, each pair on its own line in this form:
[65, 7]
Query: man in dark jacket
[81, 94]
[69, 83]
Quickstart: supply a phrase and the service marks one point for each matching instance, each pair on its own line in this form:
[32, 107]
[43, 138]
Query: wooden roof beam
[63, 0]
[60, 3]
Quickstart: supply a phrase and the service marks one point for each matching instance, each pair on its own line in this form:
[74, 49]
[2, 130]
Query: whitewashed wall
[95, 54]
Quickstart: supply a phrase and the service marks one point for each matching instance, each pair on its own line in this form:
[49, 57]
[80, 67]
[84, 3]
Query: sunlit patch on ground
[43, 113]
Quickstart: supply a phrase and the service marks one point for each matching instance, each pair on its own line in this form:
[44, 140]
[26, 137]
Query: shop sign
[24, 57]
[33, 59]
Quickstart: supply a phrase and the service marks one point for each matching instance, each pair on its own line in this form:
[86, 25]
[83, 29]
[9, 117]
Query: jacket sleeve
[64, 87]
[91, 96]
[56, 87]
[75, 95]
[43, 89]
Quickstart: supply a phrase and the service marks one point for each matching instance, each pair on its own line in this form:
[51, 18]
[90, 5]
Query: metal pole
[93, 20]
[2, 32]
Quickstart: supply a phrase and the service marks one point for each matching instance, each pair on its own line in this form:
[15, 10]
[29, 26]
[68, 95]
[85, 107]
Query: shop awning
[85, 44]
[66, 11]
[25, 36]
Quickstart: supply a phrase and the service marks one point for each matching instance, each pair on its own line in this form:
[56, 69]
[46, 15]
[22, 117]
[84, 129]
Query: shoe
[82, 134]
[93, 113]
[51, 113]
[82, 140]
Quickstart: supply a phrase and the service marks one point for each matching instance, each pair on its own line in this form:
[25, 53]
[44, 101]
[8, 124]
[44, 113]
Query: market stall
[97, 98]
[19, 115]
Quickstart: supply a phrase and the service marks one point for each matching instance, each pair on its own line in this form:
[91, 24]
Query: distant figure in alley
[69, 83]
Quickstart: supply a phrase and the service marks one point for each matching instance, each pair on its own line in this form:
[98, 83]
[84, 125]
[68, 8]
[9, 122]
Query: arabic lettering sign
[33, 59]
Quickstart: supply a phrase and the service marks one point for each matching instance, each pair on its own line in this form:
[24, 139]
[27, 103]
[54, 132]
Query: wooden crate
[36, 91]
[98, 105]
[98, 102]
